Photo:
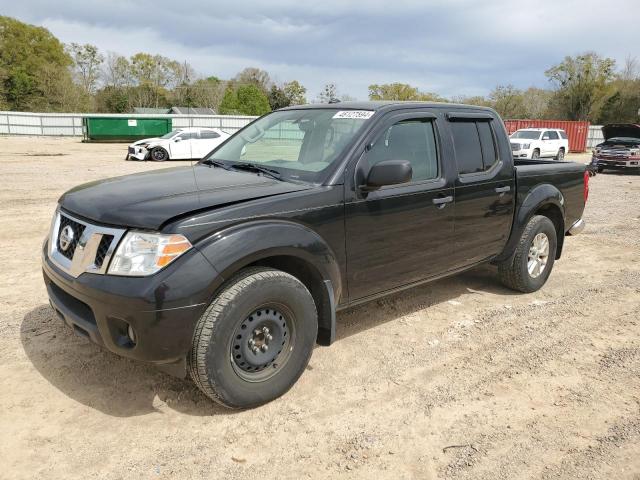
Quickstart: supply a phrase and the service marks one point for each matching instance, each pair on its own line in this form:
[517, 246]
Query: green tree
[229, 102]
[255, 76]
[278, 98]
[508, 101]
[295, 93]
[401, 92]
[252, 100]
[34, 72]
[583, 83]
[86, 65]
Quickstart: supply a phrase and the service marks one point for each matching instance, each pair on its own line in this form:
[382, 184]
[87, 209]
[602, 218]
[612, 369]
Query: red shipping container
[576, 131]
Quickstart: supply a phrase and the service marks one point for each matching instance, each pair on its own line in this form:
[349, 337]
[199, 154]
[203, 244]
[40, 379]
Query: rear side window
[467, 145]
[208, 134]
[552, 135]
[487, 141]
[563, 134]
[475, 146]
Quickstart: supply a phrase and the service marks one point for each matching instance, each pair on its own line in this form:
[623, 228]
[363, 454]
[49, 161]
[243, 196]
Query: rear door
[209, 139]
[553, 142]
[484, 188]
[400, 234]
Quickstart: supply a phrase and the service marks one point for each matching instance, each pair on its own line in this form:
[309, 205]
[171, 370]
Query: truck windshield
[297, 144]
[527, 134]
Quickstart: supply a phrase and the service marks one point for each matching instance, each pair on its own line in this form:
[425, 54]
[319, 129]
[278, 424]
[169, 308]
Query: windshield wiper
[215, 163]
[257, 168]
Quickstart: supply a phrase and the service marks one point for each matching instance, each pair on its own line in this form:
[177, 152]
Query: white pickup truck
[539, 142]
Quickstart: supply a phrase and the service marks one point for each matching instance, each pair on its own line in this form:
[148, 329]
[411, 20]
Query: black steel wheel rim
[262, 342]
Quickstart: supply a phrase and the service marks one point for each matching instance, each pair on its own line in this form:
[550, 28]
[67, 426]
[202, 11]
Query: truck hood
[148, 200]
[629, 130]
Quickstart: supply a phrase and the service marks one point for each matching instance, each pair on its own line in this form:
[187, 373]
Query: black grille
[77, 228]
[105, 243]
[132, 150]
[515, 146]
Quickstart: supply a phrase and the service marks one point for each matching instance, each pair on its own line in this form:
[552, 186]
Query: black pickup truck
[230, 270]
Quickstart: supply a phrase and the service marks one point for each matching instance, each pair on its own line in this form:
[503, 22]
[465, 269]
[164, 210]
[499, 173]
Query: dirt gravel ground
[459, 379]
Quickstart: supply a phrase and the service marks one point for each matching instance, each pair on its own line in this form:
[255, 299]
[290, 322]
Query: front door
[400, 234]
[182, 146]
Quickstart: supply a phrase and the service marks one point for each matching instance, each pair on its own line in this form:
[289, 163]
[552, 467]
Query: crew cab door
[484, 189]
[399, 234]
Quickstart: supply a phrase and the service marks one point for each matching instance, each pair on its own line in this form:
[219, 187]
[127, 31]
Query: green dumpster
[121, 129]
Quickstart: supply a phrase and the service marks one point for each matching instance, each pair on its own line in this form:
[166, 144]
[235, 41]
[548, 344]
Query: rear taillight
[586, 185]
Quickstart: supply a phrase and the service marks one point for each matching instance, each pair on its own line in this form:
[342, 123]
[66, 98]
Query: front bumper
[162, 309]
[138, 153]
[522, 153]
[615, 164]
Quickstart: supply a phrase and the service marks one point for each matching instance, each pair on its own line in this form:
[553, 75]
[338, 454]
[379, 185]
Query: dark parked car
[231, 270]
[620, 150]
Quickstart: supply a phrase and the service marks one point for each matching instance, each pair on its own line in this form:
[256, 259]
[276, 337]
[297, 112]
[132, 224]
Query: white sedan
[179, 144]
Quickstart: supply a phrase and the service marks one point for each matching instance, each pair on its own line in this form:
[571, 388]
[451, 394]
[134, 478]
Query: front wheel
[529, 267]
[535, 155]
[560, 155]
[159, 154]
[255, 339]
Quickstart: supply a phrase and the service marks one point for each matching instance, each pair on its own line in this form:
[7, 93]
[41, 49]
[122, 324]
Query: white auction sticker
[355, 114]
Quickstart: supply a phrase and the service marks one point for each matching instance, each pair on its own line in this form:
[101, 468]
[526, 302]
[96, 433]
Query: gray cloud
[451, 47]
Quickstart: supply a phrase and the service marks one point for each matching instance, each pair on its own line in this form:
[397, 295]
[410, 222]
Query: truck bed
[568, 177]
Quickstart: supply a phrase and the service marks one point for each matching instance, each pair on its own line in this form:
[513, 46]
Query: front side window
[298, 144]
[410, 140]
[563, 134]
[171, 134]
[188, 136]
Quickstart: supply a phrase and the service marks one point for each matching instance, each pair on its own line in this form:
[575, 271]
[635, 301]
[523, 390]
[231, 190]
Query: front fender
[539, 197]
[235, 247]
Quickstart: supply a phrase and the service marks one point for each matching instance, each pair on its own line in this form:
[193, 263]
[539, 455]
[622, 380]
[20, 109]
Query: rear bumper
[162, 309]
[577, 227]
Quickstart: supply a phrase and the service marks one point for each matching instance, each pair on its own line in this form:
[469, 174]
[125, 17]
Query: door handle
[503, 189]
[442, 201]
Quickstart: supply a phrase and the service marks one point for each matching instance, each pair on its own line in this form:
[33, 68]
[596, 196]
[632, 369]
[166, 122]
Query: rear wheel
[531, 264]
[599, 169]
[159, 154]
[255, 339]
[536, 154]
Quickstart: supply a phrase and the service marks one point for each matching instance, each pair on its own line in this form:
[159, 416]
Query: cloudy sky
[452, 47]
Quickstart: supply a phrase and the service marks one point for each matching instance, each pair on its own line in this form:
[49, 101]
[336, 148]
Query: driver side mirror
[545, 137]
[177, 139]
[388, 172]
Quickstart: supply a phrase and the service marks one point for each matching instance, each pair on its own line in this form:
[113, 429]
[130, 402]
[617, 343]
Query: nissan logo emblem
[66, 238]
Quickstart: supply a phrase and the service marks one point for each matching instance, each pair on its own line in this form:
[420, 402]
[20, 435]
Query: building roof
[149, 110]
[192, 111]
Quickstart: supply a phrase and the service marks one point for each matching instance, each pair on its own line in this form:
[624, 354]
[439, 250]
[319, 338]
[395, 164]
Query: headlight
[141, 254]
[525, 146]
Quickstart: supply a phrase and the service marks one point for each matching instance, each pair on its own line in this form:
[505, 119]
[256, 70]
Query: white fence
[70, 124]
[595, 136]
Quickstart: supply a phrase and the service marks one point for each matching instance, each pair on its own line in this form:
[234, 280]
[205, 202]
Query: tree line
[40, 73]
